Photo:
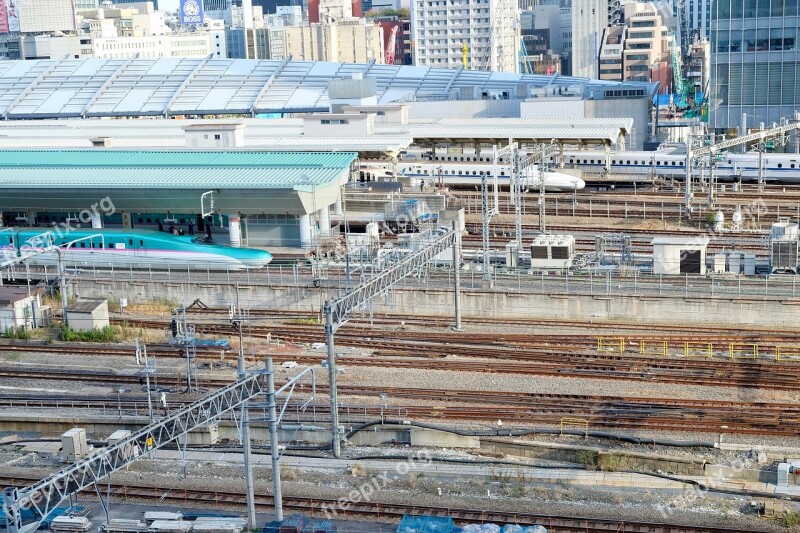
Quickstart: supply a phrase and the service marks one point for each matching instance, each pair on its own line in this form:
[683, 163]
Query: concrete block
[434, 438]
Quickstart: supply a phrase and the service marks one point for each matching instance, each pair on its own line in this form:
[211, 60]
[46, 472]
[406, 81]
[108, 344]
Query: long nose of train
[578, 184]
[255, 258]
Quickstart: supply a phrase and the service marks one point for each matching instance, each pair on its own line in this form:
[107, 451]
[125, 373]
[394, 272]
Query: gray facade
[754, 60]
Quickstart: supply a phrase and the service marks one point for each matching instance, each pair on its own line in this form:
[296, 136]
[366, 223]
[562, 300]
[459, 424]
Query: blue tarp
[425, 524]
[214, 343]
[662, 100]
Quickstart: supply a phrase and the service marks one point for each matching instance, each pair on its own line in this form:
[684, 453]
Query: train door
[137, 246]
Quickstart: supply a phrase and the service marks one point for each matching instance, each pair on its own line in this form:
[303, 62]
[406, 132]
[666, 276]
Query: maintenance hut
[19, 308]
[88, 314]
[260, 198]
[679, 255]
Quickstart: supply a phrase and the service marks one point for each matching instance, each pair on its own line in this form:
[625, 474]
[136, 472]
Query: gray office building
[754, 62]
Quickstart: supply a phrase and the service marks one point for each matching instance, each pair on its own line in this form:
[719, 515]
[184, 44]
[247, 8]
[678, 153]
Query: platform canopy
[248, 182]
[91, 87]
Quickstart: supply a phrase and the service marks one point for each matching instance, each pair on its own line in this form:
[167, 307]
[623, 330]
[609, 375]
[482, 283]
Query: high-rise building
[350, 40]
[41, 16]
[648, 45]
[244, 43]
[590, 20]
[697, 19]
[489, 29]
[85, 5]
[330, 10]
[120, 2]
[754, 62]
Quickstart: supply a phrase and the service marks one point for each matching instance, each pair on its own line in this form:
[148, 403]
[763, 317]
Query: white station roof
[288, 134]
[62, 88]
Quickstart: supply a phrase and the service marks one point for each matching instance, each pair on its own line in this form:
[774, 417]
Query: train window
[592, 161]
[460, 173]
[130, 242]
[674, 163]
[780, 165]
[149, 220]
[792, 165]
[141, 243]
[681, 163]
[111, 245]
[571, 161]
[628, 162]
[474, 172]
[139, 220]
[635, 162]
[83, 245]
[502, 173]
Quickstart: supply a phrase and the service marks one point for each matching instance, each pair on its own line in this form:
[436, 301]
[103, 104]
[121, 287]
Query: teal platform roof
[179, 169]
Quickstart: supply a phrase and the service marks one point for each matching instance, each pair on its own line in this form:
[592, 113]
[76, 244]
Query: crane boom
[388, 55]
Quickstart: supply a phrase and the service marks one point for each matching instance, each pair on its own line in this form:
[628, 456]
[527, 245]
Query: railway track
[375, 510]
[711, 372]
[431, 321]
[370, 336]
[668, 414]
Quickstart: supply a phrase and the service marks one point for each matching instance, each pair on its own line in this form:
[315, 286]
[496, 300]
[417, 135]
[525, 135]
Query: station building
[224, 88]
[260, 198]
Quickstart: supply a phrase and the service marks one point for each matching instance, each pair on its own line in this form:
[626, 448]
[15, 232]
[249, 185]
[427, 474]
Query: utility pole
[241, 374]
[457, 273]
[542, 179]
[62, 284]
[141, 358]
[336, 441]
[487, 217]
[273, 442]
[183, 336]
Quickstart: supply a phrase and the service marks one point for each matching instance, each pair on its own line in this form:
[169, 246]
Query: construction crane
[525, 66]
[388, 55]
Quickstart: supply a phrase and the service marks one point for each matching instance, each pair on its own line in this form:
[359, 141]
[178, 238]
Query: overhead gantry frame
[337, 311]
[44, 496]
[696, 155]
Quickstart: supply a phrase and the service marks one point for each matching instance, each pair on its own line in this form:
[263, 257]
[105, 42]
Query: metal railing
[333, 278]
[613, 283]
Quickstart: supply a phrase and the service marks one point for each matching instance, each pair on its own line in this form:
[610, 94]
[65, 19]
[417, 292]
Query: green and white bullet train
[128, 248]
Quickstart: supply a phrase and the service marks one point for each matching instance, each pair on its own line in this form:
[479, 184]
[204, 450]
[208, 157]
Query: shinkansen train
[779, 168]
[468, 174]
[134, 248]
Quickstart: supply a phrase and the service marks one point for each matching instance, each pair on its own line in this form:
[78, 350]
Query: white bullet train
[466, 173]
[778, 168]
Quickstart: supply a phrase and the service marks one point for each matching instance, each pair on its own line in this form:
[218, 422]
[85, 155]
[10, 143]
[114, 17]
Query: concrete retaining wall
[578, 454]
[494, 304]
